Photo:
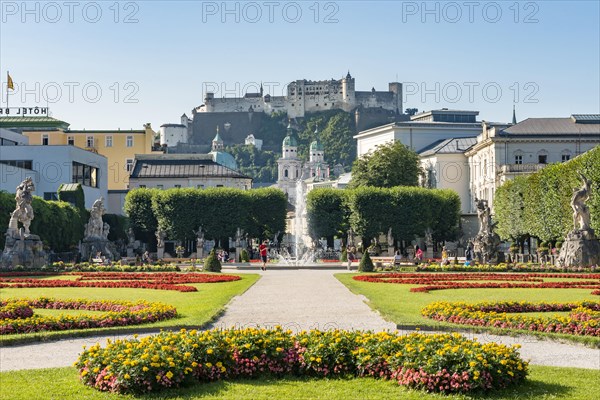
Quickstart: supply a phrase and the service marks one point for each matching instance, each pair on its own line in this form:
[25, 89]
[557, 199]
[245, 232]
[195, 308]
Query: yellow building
[118, 146]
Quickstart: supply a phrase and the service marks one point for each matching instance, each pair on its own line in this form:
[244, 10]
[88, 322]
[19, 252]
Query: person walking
[262, 250]
[350, 256]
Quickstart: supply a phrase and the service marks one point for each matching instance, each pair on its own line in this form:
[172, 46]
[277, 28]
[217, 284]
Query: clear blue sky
[161, 55]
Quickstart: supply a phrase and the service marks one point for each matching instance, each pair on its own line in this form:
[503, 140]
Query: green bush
[344, 256]
[366, 264]
[245, 257]
[212, 263]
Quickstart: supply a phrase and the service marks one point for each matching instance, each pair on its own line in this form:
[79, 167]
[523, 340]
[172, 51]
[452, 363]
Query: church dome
[289, 140]
[225, 159]
[316, 146]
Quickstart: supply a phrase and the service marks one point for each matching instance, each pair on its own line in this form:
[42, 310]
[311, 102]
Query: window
[142, 186]
[565, 157]
[199, 186]
[129, 141]
[519, 159]
[219, 185]
[542, 158]
[89, 141]
[177, 186]
[71, 140]
[25, 164]
[129, 164]
[84, 174]
[159, 186]
[285, 173]
[45, 140]
[108, 141]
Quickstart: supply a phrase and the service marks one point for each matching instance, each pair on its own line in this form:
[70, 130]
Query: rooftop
[578, 124]
[180, 166]
[32, 122]
[448, 146]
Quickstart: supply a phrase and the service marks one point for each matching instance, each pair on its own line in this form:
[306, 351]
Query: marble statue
[485, 244]
[199, 238]
[581, 212]
[94, 227]
[160, 238]
[23, 212]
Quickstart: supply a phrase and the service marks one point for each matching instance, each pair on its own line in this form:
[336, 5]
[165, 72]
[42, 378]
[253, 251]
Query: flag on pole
[9, 83]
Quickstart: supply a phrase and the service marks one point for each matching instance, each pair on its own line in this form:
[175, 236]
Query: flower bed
[435, 266]
[117, 313]
[584, 319]
[158, 281]
[456, 281]
[437, 363]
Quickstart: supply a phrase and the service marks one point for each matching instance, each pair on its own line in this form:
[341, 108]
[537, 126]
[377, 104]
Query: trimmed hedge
[539, 205]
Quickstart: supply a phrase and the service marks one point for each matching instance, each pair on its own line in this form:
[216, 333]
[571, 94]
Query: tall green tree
[328, 213]
[390, 165]
[138, 206]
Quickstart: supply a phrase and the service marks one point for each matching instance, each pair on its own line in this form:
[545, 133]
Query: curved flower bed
[502, 267]
[456, 281]
[437, 363]
[157, 281]
[15, 309]
[584, 319]
[117, 313]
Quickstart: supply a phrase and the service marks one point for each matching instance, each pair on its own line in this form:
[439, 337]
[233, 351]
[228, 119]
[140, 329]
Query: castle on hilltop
[309, 96]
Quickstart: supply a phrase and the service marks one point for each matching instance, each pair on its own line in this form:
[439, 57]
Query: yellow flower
[169, 374]
[145, 369]
[209, 351]
[126, 376]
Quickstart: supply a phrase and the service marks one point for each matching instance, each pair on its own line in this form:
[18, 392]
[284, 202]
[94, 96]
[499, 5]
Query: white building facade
[51, 166]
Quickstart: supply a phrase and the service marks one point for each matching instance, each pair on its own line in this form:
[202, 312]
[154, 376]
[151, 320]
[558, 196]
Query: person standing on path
[262, 250]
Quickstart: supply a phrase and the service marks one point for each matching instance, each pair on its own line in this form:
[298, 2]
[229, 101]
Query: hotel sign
[23, 111]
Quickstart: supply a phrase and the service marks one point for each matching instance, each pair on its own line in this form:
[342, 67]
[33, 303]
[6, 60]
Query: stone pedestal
[391, 251]
[91, 246]
[22, 249]
[130, 251]
[580, 249]
[160, 252]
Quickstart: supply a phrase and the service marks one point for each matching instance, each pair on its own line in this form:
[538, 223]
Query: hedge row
[219, 211]
[539, 205]
[370, 211]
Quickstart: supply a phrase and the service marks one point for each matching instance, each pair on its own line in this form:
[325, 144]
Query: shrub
[212, 263]
[245, 257]
[366, 264]
[344, 256]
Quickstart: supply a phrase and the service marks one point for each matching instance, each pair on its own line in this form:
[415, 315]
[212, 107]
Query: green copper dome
[316, 146]
[225, 159]
[290, 141]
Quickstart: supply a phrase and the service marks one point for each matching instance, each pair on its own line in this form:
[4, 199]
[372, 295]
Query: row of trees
[219, 211]
[539, 205]
[371, 211]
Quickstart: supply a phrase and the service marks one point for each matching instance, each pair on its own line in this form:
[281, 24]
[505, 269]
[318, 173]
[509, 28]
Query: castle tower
[348, 90]
[217, 142]
[396, 89]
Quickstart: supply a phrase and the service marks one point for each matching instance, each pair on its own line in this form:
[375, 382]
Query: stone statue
[581, 212]
[581, 246]
[160, 238]
[23, 212]
[95, 226]
[350, 237]
[199, 238]
[485, 244]
[390, 238]
[21, 247]
[130, 236]
[276, 238]
[239, 234]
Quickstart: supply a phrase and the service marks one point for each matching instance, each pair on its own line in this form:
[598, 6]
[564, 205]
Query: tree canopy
[390, 165]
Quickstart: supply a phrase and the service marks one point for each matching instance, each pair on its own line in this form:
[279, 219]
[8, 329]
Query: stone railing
[520, 168]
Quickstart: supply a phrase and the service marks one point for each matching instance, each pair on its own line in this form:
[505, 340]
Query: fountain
[302, 253]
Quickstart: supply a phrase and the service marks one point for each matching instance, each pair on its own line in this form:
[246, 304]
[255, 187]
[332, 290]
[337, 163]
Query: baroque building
[291, 170]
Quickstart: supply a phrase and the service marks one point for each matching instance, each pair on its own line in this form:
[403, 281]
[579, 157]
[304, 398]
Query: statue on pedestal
[95, 239]
[94, 228]
[581, 246]
[22, 247]
[485, 244]
[160, 238]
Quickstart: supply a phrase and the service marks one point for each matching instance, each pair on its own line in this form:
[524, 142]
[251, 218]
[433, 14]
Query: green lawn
[194, 308]
[62, 383]
[397, 304]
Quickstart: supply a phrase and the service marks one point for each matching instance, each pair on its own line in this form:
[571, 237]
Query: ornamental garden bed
[447, 363]
[17, 315]
[158, 281]
[430, 282]
[583, 318]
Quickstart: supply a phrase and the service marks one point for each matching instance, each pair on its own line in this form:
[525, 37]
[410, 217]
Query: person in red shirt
[262, 250]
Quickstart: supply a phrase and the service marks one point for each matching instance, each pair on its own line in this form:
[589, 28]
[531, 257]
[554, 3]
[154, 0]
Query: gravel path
[298, 299]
